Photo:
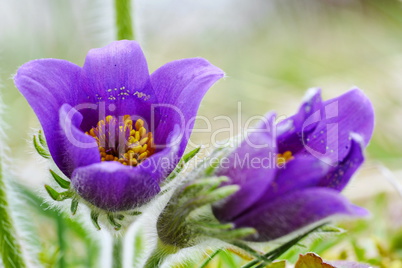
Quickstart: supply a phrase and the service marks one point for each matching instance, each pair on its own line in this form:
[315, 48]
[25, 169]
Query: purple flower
[291, 174]
[112, 128]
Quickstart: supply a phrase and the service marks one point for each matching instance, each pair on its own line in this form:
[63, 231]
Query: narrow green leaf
[248, 249]
[60, 181]
[134, 213]
[214, 196]
[94, 219]
[331, 229]
[56, 195]
[113, 222]
[74, 206]
[219, 226]
[187, 157]
[179, 167]
[201, 185]
[42, 139]
[209, 259]
[239, 233]
[211, 169]
[41, 151]
[276, 253]
[120, 217]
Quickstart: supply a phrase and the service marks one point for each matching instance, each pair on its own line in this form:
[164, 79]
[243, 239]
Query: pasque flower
[112, 128]
[290, 175]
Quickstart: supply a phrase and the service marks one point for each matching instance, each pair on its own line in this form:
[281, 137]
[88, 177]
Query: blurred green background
[271, 50]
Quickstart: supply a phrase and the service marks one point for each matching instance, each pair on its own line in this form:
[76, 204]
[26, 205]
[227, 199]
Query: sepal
[40, 145]
[179, 167]
[114, 220]
[56, 196]
[188, 217]
[60, 181]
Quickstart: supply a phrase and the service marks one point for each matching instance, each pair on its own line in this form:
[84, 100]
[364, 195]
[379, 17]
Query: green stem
[117, 256]
[62, 244]
[124, 22]
[159, 255]
[10, 249]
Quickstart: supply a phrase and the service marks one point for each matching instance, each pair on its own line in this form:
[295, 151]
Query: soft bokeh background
[271, 50]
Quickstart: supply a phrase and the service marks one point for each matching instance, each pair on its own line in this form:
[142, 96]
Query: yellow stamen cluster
[124, 141]
[282, 159]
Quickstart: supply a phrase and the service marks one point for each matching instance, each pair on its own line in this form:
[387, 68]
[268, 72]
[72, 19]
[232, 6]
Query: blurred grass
[271, 51]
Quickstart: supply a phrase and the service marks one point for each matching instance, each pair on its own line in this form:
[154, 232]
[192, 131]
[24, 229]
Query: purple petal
[113, 186]
[117, 75]
[47, 84]
[297, 174]
[116, 187]
[296, 210]
[349, 113]
[339, 177]
[289, 130]
[79, 149]
[180, 86]
[252, 167]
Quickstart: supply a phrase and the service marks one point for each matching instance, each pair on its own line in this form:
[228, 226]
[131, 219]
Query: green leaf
[42, 139]
[187, 157]
[134, 213]
[238, 233]
[41, 150]
[179, 167]
[201, 185]
[249, 250]
[276, 253]
[56, 195]
[74, 206]
[113, 222]
[120, 217]
[331, 229]
[214, 196]
[211, 169]
[94, 219]
[60, 181]
[209, 259]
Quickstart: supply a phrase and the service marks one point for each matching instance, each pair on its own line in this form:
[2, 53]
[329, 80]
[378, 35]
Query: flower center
[284, 158]
[122, 140]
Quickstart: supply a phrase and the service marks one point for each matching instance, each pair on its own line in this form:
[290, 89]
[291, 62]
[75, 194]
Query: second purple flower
[290, 175]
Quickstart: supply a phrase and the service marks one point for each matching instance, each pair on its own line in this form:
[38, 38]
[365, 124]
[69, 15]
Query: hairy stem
[62, 244]
[10, 249]
[117, 254]
[159, 255]
[124, 21]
